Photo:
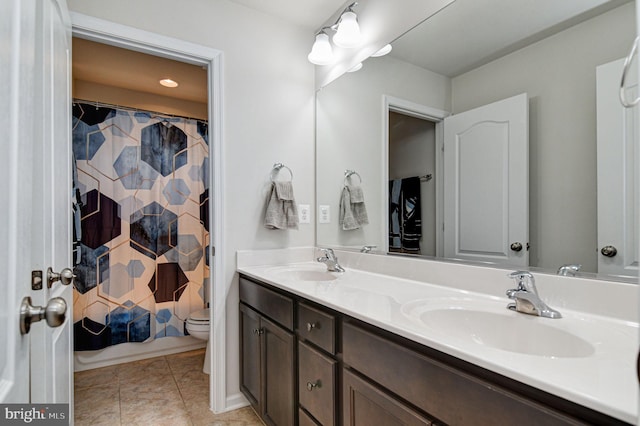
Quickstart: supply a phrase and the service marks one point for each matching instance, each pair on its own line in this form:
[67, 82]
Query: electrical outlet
[304, 213]
[324, 214]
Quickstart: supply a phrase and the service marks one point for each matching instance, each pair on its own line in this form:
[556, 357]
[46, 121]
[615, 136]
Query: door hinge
[213, 251]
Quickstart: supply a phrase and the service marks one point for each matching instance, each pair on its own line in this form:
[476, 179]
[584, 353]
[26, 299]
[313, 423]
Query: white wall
[562, 144]
[268, 117]
[350, 135]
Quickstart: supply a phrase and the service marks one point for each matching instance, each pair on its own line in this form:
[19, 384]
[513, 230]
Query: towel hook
[349, 173]
[276, 168]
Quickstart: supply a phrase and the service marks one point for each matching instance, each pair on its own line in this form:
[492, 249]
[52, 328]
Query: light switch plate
[324, 214]
[304, 213]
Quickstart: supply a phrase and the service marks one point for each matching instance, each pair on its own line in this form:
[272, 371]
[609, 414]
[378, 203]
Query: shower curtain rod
[99, 104]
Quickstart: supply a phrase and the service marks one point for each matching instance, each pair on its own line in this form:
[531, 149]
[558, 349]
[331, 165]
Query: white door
[51, 348]
[617, 141]
[486, 192]
[17, 23]
[35, 220]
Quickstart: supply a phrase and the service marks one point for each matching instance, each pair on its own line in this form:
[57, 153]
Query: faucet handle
[569, 269]
[520, 275]
[525, 280]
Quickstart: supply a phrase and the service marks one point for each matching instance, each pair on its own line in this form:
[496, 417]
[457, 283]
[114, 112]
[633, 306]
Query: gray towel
[353, 213]
[281, 212]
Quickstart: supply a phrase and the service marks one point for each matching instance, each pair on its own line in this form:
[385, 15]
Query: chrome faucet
[526, 297]
[367, 249]
[569, 270]
[331, 260]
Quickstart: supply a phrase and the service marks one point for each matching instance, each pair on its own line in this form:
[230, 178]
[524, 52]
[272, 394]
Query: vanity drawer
[316, 384]
[445, 392]
[268, 302]
[317, 327]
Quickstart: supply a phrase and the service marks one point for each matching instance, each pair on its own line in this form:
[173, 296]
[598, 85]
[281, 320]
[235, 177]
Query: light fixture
[167, 82]
[321, 52]
[348, 32]
[347, 36]
[385, 49]
[355, 68]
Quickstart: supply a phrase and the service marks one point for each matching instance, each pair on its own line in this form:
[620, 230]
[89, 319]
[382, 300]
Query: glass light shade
[385, 49]
[348, 34]
[321, 52]
[355, 68]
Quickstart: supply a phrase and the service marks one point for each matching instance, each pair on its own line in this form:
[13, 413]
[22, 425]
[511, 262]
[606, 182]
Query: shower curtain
[141, 187]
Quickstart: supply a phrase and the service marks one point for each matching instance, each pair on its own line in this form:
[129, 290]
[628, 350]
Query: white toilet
[198, 325]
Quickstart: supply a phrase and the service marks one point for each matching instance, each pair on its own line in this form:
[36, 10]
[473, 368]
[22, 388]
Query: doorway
[112, 34]
[413, 140]
[412, 201]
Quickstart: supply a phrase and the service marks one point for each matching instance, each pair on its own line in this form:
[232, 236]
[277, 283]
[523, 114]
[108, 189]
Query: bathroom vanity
[332, 349]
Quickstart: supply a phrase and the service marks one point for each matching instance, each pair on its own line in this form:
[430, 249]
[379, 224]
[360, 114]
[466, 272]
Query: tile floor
[170, 390]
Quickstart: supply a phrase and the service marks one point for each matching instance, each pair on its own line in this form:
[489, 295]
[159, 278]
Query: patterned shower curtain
[142, 190]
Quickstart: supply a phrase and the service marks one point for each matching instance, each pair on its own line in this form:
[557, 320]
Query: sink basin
[305, 273]
[489, 326]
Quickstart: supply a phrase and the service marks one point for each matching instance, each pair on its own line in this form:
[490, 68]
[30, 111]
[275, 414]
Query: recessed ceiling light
[167, 82]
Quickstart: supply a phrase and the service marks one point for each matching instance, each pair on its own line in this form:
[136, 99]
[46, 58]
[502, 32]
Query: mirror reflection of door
[486, 191]
[479, 180]
[617, 164]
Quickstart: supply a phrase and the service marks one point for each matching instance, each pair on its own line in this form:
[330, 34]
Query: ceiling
[462, 36]
[112, 66]
[470, 33]
[310, 14]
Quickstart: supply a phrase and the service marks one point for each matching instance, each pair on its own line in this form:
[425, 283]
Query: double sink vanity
[394, 341]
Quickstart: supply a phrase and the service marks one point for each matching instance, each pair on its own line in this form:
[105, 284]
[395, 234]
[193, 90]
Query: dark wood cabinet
[250, 382]
[366, 405]
[317, 326]
[448, 394]
[333, 369]
[268, 357]
[316, 384]
[279, 360]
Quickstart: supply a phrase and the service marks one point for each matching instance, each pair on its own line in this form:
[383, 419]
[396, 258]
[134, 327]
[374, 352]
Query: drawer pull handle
[311, 326]
[258, 331]
[312, 385]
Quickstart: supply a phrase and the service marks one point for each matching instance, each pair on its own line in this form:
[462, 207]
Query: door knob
[54, 313]
[516, 246]
[65, 276]
[609, 251]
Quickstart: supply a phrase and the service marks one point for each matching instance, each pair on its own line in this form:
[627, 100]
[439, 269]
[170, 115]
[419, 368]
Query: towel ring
[276, 169]
[349, 173]
[627, 65]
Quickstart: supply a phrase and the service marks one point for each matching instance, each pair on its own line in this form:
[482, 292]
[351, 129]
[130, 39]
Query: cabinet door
[316, 384]
[278, 364]
[366, 405]
[250, 333]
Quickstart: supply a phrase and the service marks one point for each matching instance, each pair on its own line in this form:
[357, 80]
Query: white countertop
[605, 380]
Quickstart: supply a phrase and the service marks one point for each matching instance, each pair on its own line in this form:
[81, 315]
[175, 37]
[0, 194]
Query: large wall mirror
[561, 63]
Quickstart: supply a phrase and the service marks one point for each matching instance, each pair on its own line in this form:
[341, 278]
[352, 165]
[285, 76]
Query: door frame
[435, 115]
[111, 33]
